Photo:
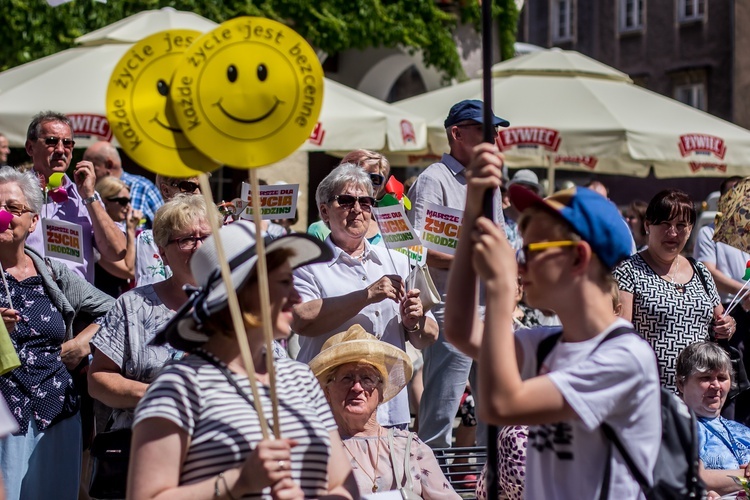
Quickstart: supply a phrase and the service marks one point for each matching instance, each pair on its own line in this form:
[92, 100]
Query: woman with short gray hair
[363, 284]
[28, 183]
[704, 377]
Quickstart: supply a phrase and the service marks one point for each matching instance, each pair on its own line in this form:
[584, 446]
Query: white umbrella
[74, 82]
[571, 112]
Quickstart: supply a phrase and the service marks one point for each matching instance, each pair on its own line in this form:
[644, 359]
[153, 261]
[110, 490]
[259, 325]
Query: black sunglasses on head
[187, 186]
[121, 200]
[53, 141]
[377, 179]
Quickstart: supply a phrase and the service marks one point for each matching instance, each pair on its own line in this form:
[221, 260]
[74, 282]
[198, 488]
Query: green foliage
[34, 29]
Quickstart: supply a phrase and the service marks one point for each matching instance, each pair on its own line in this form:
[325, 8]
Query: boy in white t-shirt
[572, 241]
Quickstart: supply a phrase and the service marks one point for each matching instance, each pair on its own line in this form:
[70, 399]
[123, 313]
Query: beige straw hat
[357, 346]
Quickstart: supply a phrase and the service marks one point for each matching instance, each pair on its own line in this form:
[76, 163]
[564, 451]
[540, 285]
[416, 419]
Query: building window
[691, 10]
[562, 20]
[692, 94]
[631, 15]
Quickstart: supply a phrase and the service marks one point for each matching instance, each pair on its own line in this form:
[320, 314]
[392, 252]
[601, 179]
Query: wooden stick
[265, 297]
[234, 306]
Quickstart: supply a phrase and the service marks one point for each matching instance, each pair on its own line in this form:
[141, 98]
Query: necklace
[377, 460]
[670, 278]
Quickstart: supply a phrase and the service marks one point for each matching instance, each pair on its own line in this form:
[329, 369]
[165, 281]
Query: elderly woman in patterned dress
[43, 458]
[358, 372]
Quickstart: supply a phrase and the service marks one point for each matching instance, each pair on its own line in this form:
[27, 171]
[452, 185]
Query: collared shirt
[443, 184]
[346, 274]
[144, 195]
[73, 210]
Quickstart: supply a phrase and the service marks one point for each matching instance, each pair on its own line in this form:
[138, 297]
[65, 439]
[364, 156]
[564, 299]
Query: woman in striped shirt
[196, 431]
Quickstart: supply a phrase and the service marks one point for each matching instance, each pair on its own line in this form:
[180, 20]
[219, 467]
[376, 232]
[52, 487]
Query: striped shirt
[224, 429]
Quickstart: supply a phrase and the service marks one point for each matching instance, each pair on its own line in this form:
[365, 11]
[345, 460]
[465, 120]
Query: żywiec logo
[528, 137]
[702, 144]
[587, 161]
[88, 125]
[407, 132]
[317, 135]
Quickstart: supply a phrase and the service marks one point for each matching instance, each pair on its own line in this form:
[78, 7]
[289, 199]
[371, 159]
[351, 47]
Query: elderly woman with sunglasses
[43, 458]
[358, 373]
[149, 266]
[364, 284]
[124, 363]
[378, 168]
[113, 277]
[671, 300]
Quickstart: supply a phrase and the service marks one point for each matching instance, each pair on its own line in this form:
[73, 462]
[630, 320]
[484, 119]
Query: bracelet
[411, 330]
[217, 492]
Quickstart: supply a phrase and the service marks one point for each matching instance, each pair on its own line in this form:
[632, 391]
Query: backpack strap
[547, 344]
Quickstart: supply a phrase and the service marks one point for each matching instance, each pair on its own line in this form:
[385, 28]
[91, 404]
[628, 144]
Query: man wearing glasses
[143, 193]
[446, 370]
[49, 143]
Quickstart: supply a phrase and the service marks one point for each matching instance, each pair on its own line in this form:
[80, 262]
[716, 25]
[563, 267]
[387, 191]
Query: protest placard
[442, 226]
[395, 227]
[62, 240]
[417, 254]
[276, 202]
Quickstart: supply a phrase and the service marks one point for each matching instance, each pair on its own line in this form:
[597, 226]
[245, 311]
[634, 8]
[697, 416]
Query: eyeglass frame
[376, 382]
[673, 227]
[119, 199]
[194, 239]
[179, 185]
[48, 141]
[367, 207]
[522, 254]
[24, 210]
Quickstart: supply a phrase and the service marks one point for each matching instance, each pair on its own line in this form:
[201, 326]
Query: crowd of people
[555, 316]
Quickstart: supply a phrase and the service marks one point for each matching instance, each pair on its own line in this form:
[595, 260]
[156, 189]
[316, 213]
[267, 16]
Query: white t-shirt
[618, 384]
[729, 260]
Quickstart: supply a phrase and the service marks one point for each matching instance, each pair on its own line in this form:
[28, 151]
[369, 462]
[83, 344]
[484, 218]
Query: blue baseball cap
[471, 109]
[596, 219]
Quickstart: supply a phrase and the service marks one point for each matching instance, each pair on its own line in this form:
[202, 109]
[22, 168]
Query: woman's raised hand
[493, 258]
[390, 286]
[484, 172]
[411, 309]
[268, 465]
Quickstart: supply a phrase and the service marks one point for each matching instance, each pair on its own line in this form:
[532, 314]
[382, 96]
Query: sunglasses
[522, 255]
[187, 186]
[377, 179]
[52, 142]
[347, 201]
[121, 200]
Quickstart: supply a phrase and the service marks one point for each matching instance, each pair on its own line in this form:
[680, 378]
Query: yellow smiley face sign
[138, 110]
[249, 92]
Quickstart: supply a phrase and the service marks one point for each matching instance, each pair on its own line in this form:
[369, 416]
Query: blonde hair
[365, 158]
[178, 214]
[109, 187]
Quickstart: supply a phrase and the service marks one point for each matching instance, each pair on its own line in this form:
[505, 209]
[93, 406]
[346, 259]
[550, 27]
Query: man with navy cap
[446, 370]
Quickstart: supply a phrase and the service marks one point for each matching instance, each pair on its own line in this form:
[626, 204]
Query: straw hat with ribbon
[357, 346]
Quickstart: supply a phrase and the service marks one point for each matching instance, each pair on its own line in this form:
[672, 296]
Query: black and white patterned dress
[668, 318]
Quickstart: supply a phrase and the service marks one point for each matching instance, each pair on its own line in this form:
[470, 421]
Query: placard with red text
[276, 202]
[442, 226]
[395, 227]
[63, 240]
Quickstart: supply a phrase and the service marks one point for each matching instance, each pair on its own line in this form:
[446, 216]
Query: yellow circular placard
[138, 110]
[249, 92]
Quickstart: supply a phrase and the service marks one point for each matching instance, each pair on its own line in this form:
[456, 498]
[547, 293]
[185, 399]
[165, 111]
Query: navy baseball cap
[471, 109]
[596, 219]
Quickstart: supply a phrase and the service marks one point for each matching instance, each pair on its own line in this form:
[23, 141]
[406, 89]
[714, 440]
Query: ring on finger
[282, 465]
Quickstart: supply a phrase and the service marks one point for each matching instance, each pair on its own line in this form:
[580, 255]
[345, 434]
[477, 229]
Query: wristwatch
[91, 199]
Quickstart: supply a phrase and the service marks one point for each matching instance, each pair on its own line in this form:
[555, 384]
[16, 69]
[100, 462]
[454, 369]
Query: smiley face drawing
[138, 111]
[249, 92]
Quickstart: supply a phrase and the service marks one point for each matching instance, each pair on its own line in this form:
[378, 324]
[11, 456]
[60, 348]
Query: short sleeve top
[196, 396]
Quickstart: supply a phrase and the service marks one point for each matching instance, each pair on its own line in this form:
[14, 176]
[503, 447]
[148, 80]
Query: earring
[647, 233]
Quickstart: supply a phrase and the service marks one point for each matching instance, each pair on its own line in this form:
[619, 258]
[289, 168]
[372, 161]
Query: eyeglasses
[186, 186]
[679, 228]
[17, 210]
[52, 142]
[121, 200]
[347, 201]
[522, 255]
[465, 125]
[189, 242]
[367, 382]
[377, 179]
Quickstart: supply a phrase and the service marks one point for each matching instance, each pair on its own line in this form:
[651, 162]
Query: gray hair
[180, 213]
[35, 127]
[702, 357]
[344, 175]
[29, 184]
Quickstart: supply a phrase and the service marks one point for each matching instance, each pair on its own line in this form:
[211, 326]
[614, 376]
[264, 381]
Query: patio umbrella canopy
[75, 81]
[568, 111]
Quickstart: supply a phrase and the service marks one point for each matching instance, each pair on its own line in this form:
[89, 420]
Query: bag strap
[394, 463]
[225, 371]
[407, 465]
[700, 275]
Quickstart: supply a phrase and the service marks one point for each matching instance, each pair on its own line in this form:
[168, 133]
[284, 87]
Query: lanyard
[733, 447]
